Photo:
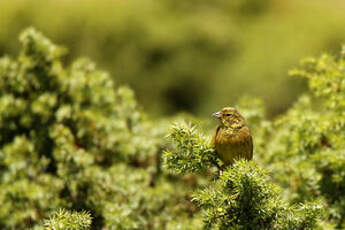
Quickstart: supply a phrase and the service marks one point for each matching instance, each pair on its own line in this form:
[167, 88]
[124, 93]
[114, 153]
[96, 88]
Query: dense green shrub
[64, 220]
[242, 197]
[70, 138]
[192, 152]
[308, 141]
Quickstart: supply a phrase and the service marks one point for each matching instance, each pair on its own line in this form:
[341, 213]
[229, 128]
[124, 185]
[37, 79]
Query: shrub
[70, 138]
[308, 141]
[64, 220]
[241, 198]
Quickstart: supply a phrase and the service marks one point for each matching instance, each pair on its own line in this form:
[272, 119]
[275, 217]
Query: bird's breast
[231, 144]
[229, 136]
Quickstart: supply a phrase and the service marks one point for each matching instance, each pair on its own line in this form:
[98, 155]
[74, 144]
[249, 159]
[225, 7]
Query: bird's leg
[221, 169]
[220, 172]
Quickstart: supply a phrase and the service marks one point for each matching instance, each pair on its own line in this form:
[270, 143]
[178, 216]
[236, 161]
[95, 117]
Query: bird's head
[230, 118]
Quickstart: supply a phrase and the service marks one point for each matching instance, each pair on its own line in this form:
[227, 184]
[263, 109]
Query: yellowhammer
[232, 139]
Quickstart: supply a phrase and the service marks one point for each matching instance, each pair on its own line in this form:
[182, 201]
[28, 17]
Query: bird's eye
[228, 114]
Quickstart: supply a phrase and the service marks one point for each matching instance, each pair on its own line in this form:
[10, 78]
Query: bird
[232, 139]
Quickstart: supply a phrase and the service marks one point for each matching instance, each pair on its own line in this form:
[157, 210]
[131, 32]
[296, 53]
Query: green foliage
[69, 138]
[192, 152]
[308, 141]
[242, 197]
[64, 220]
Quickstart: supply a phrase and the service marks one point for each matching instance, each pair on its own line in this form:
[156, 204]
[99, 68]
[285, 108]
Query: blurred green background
[194, 56]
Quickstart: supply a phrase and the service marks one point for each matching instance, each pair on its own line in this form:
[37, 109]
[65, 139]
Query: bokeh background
[193, 56]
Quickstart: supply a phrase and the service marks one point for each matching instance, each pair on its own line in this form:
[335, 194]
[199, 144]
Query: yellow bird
[232, 139]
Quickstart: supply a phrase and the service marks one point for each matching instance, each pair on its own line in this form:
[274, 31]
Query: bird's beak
[216, 114]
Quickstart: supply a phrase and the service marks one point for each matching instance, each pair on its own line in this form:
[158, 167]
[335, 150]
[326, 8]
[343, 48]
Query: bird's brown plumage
[232, 138]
